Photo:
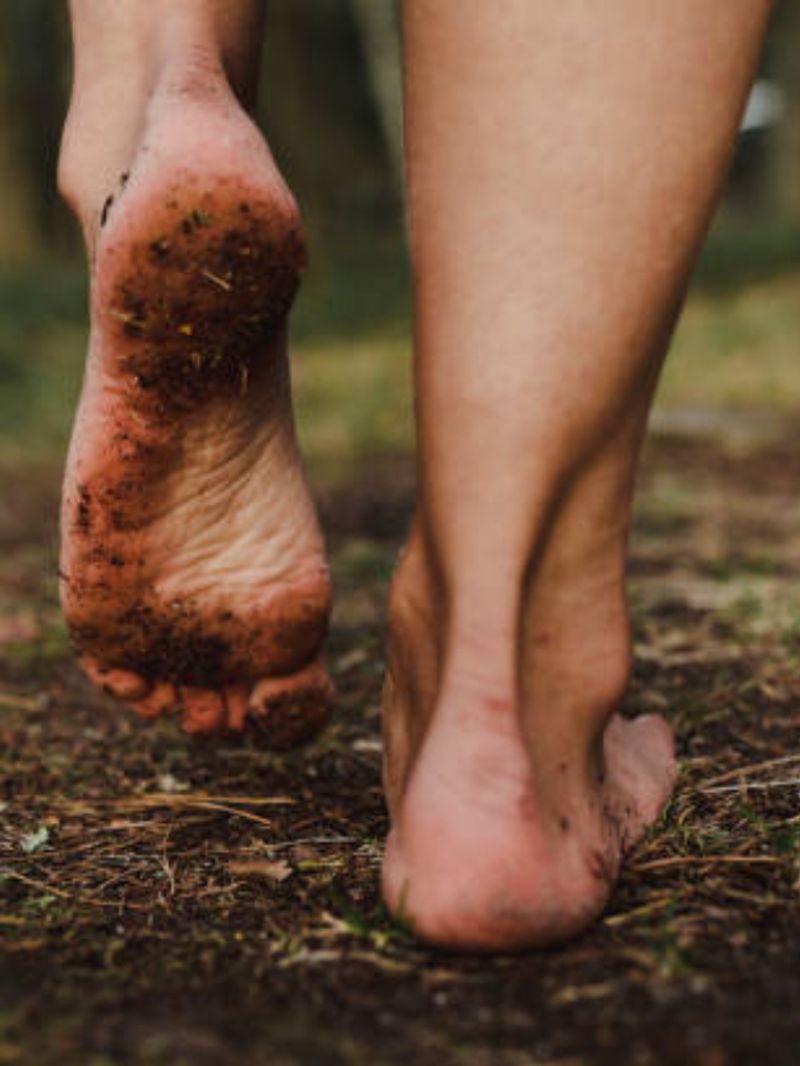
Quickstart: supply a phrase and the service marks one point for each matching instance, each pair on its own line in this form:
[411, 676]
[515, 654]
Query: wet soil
[168, 901]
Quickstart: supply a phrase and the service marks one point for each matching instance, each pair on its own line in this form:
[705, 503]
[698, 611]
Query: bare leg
[193, 577]
[122, 49]
[563, 162]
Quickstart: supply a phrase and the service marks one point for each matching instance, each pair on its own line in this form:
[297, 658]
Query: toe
[123, 684]
[203, 711]
[641, 767]
[656, 747]
[285, 711]
[652, 743]
[163, 699]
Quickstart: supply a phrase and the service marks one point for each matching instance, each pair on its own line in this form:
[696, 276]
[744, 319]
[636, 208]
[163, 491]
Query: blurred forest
[330, 102]
[331, 107]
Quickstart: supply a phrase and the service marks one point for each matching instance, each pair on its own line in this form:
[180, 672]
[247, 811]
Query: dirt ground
[169, 902]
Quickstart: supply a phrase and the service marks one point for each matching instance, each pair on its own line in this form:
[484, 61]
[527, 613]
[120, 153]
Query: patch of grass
[52, 645]
[353, 399]
[726, 568]
[376, 926]
[356, 286]
[784, 839]
[672, 959]
[746, 609]
[42, 346]
[363, 562]
[743, 251]
[736, 345]
[737, 349]
[790, 636]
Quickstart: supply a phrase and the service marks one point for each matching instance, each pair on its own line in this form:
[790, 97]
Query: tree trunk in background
[786, 158]
[33, 99]
[320, 115]
[379, 26]
[20, 236]
[330, 104]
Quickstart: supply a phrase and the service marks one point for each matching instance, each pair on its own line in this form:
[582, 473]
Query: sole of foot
[193, 575]
[508, 829]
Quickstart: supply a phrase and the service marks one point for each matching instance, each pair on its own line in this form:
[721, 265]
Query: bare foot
[547, 281]
[193, 575]
[512, 802]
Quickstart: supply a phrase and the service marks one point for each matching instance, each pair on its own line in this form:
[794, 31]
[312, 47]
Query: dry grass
[166, 902]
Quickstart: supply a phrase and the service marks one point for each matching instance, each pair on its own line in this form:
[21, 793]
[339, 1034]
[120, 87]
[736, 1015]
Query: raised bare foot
[514, 787]
[193, 575]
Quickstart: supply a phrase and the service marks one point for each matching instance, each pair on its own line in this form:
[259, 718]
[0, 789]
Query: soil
[169, 901]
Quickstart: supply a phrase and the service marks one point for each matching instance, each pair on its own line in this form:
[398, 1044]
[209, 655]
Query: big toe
[640, 757]
[283, 712]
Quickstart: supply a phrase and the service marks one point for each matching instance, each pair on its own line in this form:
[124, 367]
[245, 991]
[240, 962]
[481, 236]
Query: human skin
[193, 574]
[563, 162]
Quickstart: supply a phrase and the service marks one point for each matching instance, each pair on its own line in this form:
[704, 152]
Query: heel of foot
[498, 894]
[493, 849]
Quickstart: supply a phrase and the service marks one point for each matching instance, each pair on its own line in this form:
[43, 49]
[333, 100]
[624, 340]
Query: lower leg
[193, 578]
[562, 168]
[121, 48]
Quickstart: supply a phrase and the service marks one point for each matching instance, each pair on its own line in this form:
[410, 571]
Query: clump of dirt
[201, 300]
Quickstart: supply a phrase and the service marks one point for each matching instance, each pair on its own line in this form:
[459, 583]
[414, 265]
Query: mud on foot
[193, 573]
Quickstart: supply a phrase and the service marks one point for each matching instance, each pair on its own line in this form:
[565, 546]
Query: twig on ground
[752, 768]
[51, 890]
[752, 786]
[706, 860]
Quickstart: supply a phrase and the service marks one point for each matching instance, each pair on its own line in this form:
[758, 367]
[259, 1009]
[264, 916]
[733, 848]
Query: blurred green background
[331, 108]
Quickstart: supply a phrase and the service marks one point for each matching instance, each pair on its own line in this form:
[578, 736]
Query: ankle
[97, 147]
[556, 644]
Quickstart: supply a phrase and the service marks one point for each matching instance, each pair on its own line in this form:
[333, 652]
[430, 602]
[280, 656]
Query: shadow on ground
[169, 902]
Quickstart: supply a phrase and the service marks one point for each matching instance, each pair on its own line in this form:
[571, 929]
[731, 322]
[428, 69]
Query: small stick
[43, 886]
[731, 775]
[700, 860]
[19, 703]
[217, 280]
[184, 799]
[753, 786]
